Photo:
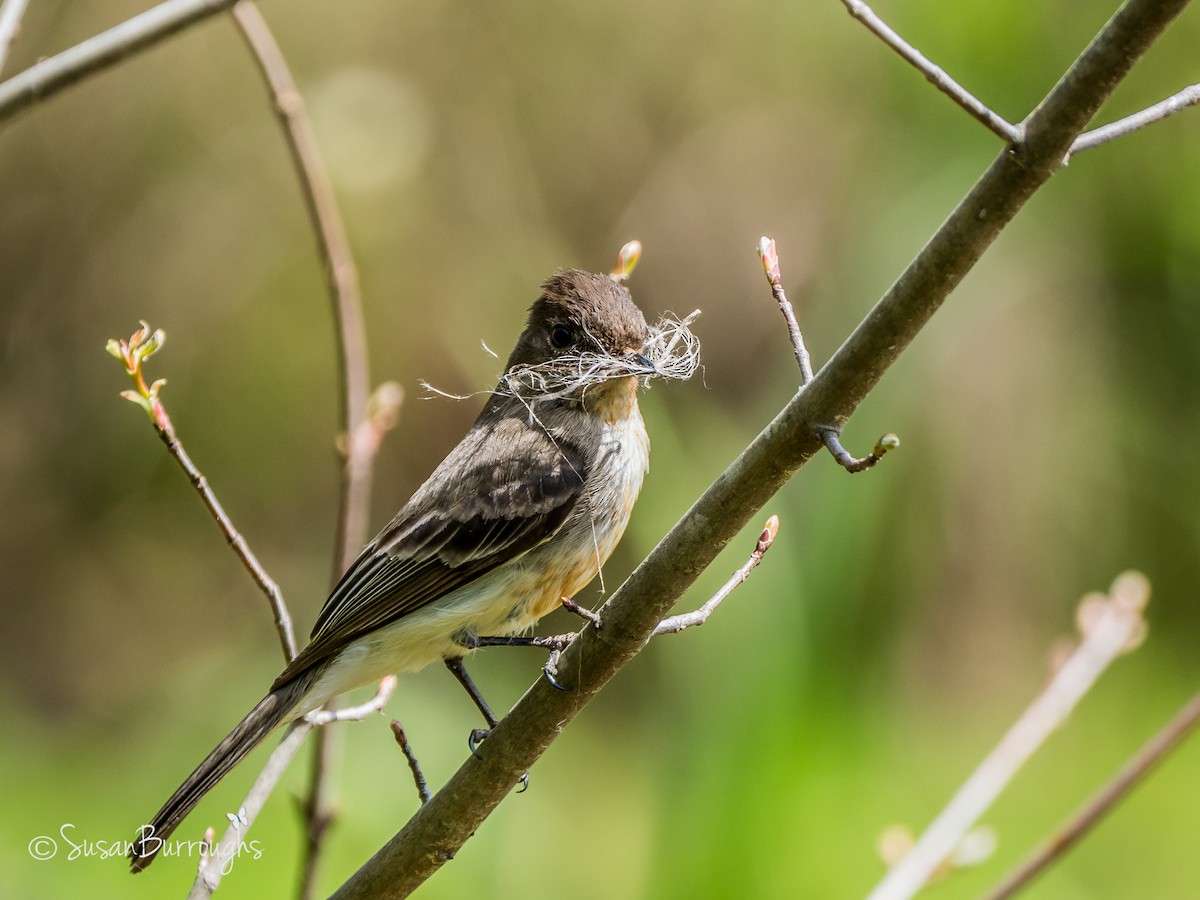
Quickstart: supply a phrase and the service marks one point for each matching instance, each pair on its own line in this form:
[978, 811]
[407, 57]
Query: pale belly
[511, 599]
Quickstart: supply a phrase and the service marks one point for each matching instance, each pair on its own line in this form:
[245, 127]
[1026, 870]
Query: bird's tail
[270, 712]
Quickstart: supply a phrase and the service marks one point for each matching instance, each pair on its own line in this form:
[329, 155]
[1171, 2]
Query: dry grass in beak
[672, 348]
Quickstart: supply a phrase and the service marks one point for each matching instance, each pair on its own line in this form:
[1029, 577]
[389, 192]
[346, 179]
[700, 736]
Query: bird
[522, 513]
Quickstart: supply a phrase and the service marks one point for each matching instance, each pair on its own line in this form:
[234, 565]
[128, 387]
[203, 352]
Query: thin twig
[853, 464]
[50, 76]
[1189, 96]
[934, 74]
[1111, 626]
[340, 271]
[225, 855]
[283, 621]
[359, 447]
[383, 694]
[10, 26]
[133, 353]
[770, 261]
[676, 624]
[413, 765]
[769, 256]
[1090, 814]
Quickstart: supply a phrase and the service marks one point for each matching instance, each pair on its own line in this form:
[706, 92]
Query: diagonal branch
[98, 53]
[1112, 626]
[223, 856]
[1189, 96]
[933, 73]
[441, 826]
[10, 26]
[1142, 764]
[134, 352]
[676, 624]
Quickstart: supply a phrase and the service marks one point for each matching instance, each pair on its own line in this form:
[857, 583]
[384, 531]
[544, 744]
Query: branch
[770, 261]
[133, 353]
[413, 766]
[1111, 626]
[441, 826]
[769, 256]
[934, 74]
[1089, 815]
[361, 436]
[10, 26]
[98, 53]
[387, 687]
[225, 854]
[339, 269]
[854, 464]
[1189, 96]
[676, 624]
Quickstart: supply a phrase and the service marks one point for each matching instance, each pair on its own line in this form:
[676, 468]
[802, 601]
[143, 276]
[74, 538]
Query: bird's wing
[505, 489]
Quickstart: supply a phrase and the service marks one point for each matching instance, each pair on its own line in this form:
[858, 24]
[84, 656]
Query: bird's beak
[643, 362]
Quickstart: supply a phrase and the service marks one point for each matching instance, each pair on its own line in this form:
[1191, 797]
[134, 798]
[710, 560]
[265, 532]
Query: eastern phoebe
[523, 512]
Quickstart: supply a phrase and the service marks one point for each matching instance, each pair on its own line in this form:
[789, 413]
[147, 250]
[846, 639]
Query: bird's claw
[479, 735]
[474, 739]
[550, 669]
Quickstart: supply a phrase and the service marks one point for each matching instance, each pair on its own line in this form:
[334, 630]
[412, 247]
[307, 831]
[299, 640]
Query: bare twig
[361, 440]
[1089, 815]
[387, 687]
[225, 855]
[769, 257]
[340, 270]
[50, 76]
[583, 612]
[853, 464]
[676, 624]
[934, 74]
[10, 26]
[133, 353]
[413, 765]
[1110, 626]
[1189, 96]
[770, 261]
[785, 444]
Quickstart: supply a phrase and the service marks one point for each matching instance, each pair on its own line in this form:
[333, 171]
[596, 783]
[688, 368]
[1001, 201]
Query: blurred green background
[905, 616]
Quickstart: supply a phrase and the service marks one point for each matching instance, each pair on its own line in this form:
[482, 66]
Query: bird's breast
[568, 561]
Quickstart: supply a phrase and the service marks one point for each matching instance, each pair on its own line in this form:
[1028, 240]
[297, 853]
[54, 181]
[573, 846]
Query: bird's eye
[560, 336]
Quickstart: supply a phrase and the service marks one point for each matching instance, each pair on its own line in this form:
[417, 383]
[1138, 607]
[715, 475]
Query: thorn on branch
[676, 624]
[853, 464]
[770, 262]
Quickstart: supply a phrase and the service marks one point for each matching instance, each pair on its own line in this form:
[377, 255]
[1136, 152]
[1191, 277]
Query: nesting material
[672, 349]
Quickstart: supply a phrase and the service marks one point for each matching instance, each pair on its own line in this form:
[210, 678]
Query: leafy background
[905, 616]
